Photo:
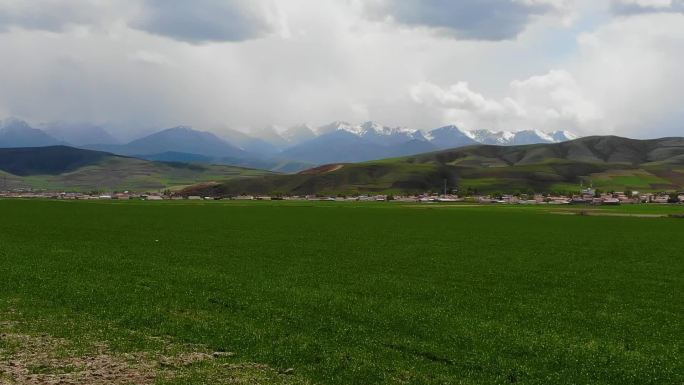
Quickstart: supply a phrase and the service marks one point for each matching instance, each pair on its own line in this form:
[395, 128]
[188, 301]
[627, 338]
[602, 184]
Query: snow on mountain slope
[531, 137]
[450, 137]
[380, 134]
[492, 137]
[442, 137]
[338, 126]
[563, 136]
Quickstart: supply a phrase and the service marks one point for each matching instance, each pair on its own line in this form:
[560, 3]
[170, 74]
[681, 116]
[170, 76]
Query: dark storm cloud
[201, 21]
[51, 16]
[465, 19]
[622, 7]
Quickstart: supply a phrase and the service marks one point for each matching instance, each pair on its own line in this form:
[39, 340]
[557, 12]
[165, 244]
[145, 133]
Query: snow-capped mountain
[346, 142]
[452, 136]
[563, 136]
[491, 137]
[302, 145]
[530, 137]
[373, 132]
[338, 126]
[377, 133]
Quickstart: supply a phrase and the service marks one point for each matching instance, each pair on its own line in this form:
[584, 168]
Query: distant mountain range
[607, 162]
[289, 150]
[17, 133]
[78, 134]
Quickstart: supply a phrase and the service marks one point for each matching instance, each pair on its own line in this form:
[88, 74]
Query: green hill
[67, 168]
[609, 162]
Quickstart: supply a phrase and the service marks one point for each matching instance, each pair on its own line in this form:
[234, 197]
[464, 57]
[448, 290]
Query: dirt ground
[45, 360]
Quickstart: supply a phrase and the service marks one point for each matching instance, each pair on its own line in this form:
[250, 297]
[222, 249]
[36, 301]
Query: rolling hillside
[610, 163]
[67, 168]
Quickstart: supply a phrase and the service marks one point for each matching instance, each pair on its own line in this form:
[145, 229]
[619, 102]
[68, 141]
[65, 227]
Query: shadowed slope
[61, 167]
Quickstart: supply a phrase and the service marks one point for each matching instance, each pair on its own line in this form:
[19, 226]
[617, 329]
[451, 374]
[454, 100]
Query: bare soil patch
[322, 169]
[45, 360]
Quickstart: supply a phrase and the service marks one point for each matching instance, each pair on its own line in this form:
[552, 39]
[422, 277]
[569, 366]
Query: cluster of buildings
[615, 198]
[33, 194]
[587, 196]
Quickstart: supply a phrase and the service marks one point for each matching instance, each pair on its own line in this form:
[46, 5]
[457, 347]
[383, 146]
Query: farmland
[336, 293]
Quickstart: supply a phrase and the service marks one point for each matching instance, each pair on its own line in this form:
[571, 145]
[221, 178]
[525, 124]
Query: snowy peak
[376, 132]
[450, 130]
[339, 126]
[563, 136]
[366, 129]
[531, 137]
[450, 137]
[443, 137]
[490, 137]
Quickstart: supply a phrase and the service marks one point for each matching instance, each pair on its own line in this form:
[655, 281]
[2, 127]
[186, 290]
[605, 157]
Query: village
[585, 197]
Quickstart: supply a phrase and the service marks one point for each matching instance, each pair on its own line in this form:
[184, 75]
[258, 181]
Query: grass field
[331, 293]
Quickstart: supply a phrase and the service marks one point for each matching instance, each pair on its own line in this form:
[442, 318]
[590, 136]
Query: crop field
[338, 294]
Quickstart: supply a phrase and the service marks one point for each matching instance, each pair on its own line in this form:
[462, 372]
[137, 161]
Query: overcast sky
[593, 67]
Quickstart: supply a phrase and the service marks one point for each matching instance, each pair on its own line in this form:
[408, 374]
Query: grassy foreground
[354, 293]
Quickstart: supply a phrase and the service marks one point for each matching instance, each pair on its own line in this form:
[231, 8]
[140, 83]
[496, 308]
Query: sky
[588, 66]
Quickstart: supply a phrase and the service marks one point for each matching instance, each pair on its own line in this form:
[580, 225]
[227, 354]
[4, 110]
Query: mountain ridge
[291, 149]
[610, 162]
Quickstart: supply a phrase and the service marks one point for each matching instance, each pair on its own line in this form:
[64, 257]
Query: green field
[342, 293]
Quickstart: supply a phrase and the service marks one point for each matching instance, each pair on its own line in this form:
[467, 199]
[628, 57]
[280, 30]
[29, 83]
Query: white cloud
[556, 98]
[633, 68]
[550, 101]
[124, 62]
